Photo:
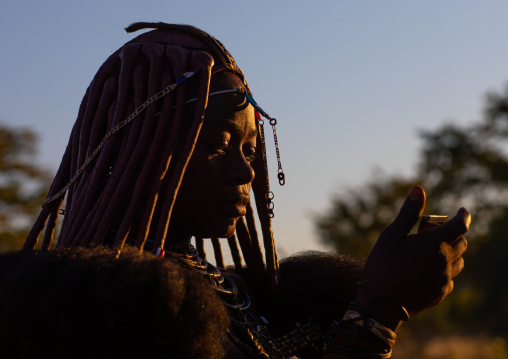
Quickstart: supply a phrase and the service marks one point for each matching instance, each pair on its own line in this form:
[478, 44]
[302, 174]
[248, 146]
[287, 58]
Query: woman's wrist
[382, 310]
[359, 337]
[367, 329]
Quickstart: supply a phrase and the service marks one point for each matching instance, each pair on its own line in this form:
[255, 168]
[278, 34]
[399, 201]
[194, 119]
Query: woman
[169, 144]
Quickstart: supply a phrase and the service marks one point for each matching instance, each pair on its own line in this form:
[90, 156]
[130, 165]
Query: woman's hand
[416, 270]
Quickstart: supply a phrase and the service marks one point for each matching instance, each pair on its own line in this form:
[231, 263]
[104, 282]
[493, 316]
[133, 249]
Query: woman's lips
[235, 206]
[234, 210]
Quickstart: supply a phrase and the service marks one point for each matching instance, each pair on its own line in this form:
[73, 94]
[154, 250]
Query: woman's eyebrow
[213, 123]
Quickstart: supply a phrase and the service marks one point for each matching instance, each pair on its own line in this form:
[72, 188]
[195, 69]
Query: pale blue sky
[350, 82]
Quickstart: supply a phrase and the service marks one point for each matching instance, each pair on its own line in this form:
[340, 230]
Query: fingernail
[468, 218]
[415, 194]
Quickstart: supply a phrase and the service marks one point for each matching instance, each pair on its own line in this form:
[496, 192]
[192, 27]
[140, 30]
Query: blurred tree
[356, 219]
[459, 166]
[23, 185]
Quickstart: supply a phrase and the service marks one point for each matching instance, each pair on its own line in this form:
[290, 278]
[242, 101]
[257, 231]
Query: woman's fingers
[448, 289]
[409, 214]
[454, 228]
[460, 246]
[457, 266]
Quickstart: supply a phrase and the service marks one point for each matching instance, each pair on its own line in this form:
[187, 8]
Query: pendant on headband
[280, 175]
[273, 122]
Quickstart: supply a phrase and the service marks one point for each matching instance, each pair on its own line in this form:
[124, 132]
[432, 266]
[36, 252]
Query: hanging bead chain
[273, 122]
[280, 173]
[269, 194]
[117, 128]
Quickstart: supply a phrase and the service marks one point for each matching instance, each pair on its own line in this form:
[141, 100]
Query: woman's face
[216, 185]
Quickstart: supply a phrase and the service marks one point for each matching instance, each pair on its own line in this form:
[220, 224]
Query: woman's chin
[225, 229]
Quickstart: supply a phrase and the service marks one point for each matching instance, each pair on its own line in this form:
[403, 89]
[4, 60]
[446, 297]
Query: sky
[350, 82]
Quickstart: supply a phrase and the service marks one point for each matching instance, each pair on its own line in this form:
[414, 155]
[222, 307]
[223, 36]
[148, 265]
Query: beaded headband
[273, 122]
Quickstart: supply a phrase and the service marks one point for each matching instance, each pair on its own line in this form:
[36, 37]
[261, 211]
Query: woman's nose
[239, 170]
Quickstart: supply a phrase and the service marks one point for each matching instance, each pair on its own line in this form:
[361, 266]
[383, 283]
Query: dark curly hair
[81, 303]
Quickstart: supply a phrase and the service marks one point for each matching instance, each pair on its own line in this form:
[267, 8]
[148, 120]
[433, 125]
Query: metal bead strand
[269, 194]
[280, 173]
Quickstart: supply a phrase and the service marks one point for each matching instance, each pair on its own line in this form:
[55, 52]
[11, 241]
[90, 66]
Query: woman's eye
[250, 154]
[218, 148]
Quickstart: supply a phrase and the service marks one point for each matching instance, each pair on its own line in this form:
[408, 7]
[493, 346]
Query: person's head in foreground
[169, 145]
[77, 303]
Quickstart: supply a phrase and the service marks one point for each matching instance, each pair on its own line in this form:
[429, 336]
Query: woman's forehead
[229, 103]
[224, 80]
[230, 110]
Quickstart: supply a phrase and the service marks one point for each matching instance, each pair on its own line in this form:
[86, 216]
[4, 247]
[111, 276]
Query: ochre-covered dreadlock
[123, 165]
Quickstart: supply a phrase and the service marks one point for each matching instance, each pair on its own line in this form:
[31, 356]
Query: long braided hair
[121, 160]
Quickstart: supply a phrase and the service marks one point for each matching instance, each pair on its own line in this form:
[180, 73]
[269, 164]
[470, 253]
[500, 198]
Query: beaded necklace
[249, 330]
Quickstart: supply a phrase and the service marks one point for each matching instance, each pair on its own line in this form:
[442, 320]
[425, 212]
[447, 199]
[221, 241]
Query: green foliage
[23, 185]
[458, 166]
[356, 219]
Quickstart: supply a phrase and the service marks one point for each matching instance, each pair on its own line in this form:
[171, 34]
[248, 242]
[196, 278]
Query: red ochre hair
[146, 159]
